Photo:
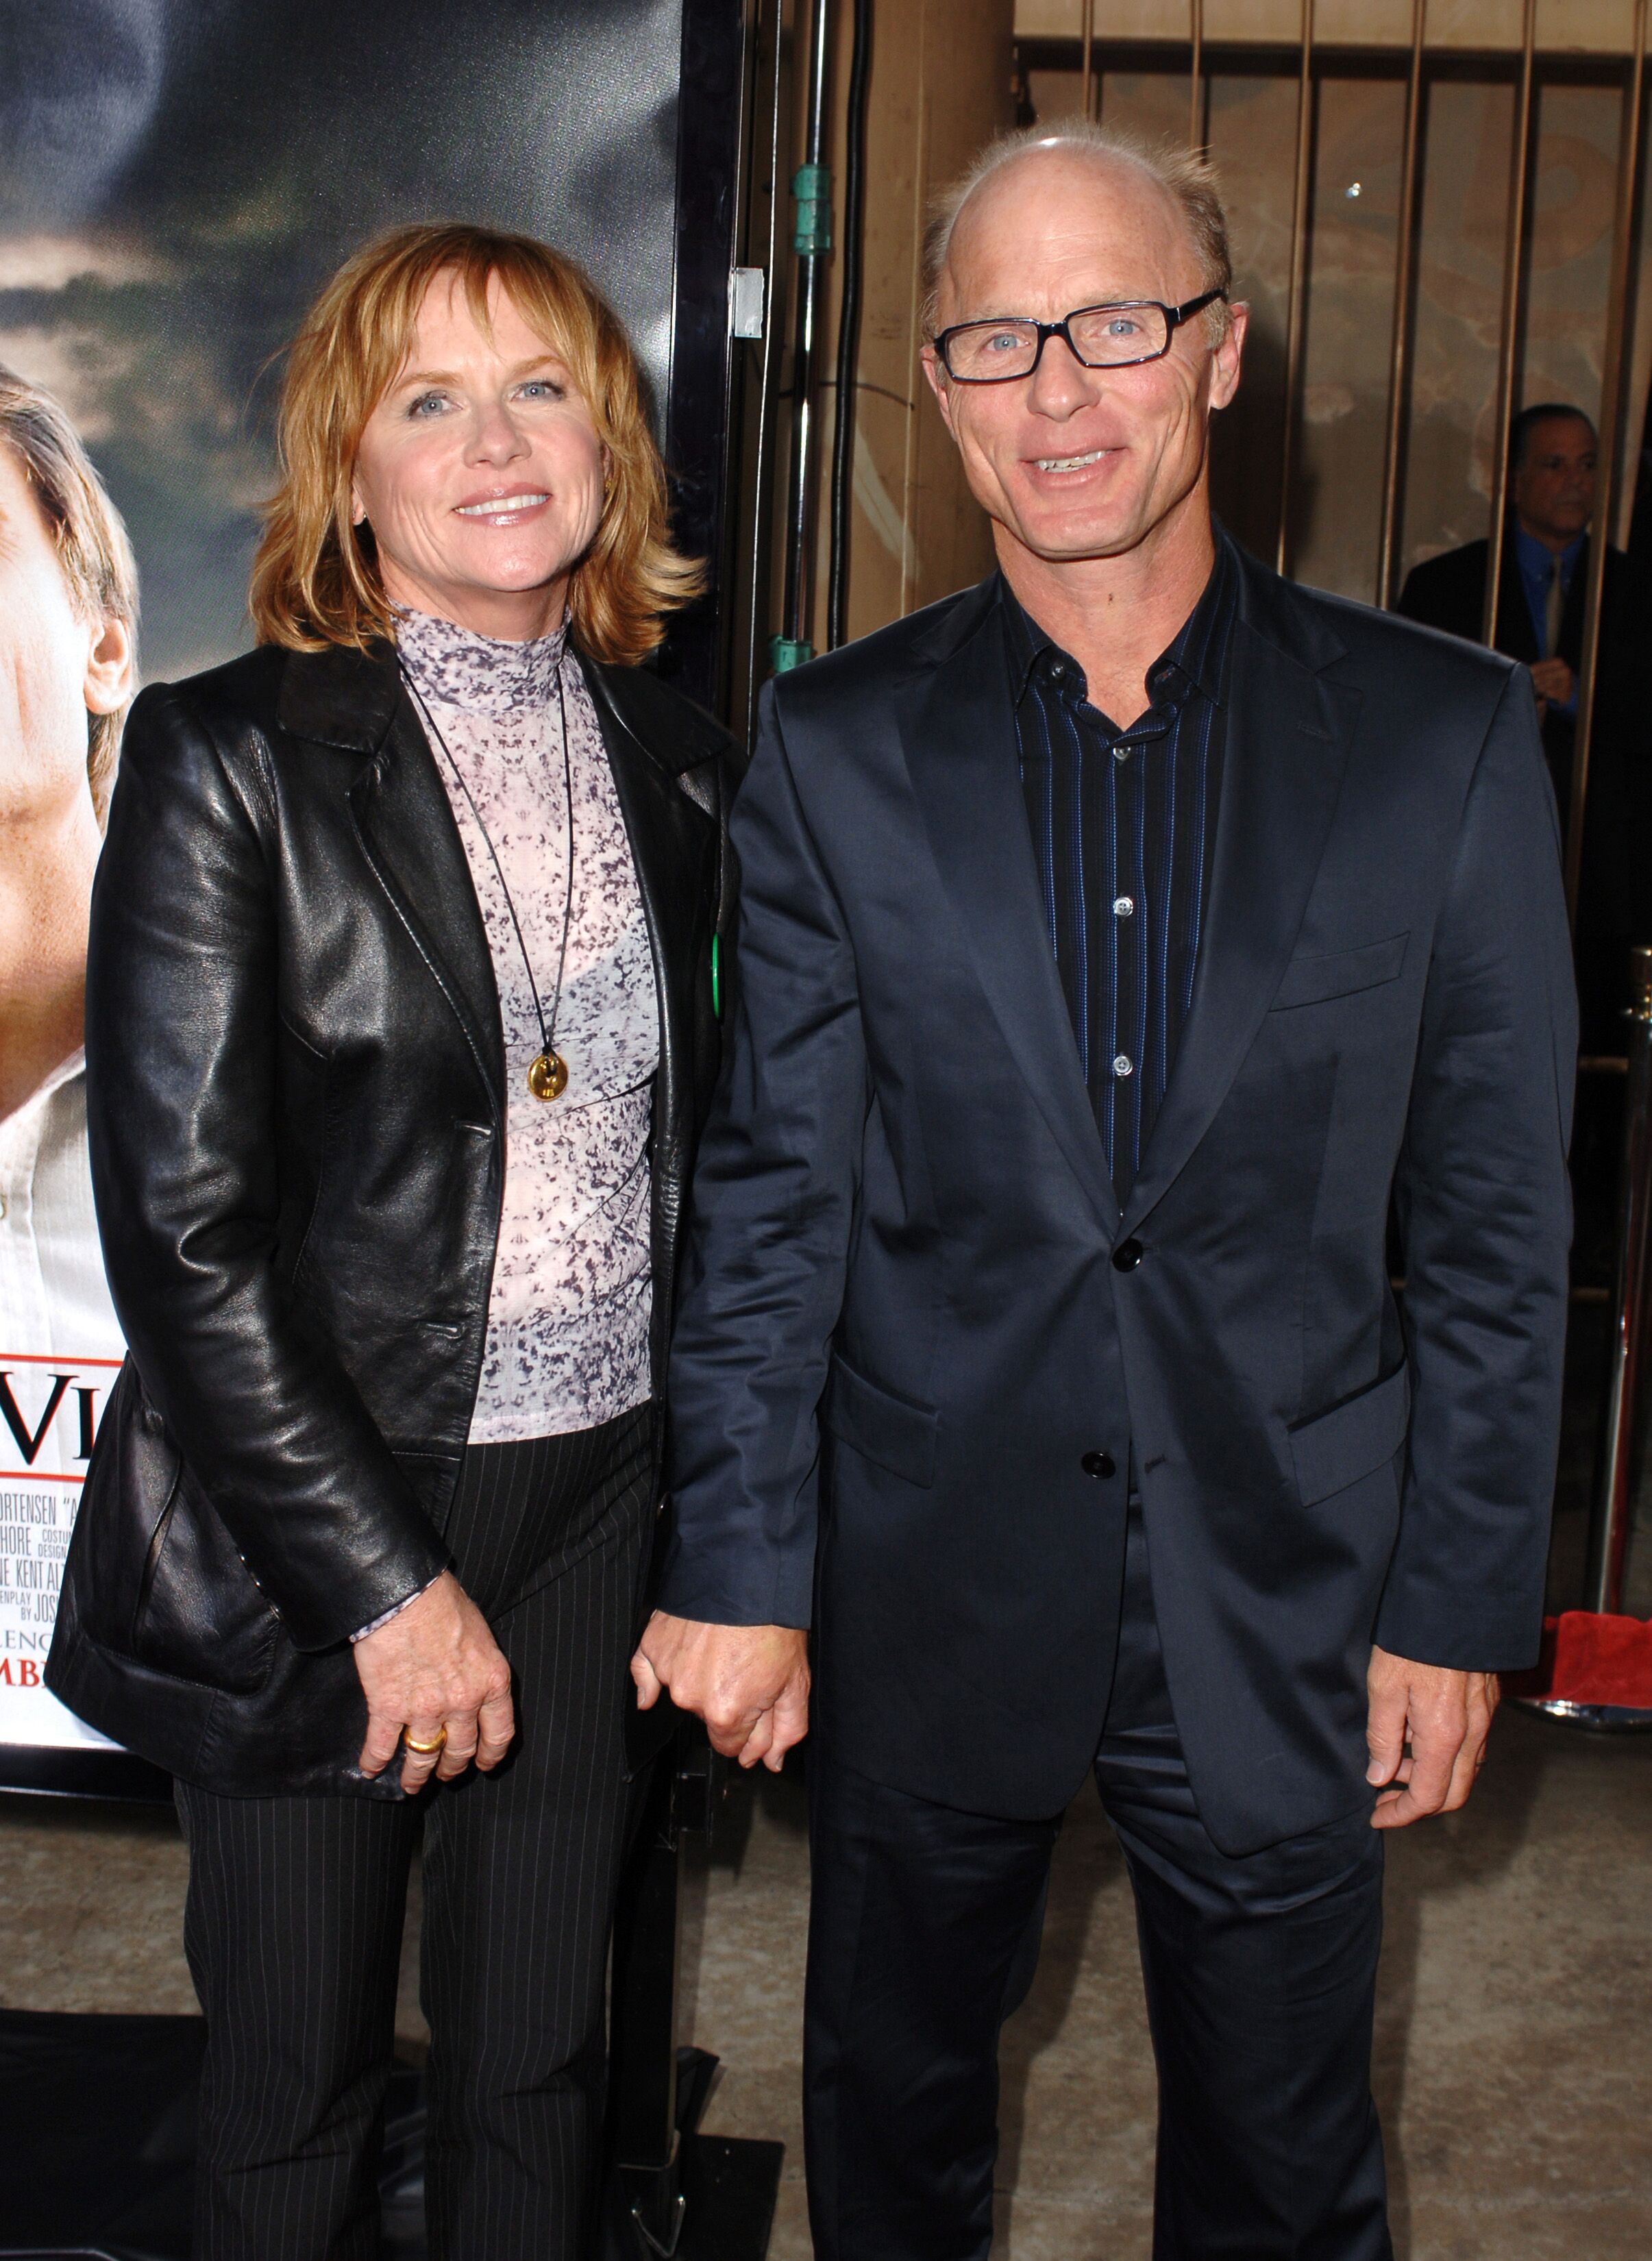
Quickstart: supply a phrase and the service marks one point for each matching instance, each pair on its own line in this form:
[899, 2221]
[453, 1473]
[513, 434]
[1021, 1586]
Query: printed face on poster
[176, 182]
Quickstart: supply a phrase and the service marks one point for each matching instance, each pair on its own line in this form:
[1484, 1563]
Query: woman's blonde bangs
[315, 579]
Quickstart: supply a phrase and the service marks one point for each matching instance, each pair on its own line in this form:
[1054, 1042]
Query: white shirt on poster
[60, 1347]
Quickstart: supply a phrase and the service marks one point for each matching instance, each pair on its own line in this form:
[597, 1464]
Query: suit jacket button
[1127, 1255]
[1098, 1464]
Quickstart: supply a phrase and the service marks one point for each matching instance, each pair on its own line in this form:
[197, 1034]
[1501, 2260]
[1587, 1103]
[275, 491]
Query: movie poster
[177, 178]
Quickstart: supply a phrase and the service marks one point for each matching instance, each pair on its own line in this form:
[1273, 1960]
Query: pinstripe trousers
[295, 1910]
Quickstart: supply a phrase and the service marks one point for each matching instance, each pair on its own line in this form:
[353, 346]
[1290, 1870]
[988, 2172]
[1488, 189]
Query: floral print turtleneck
[568, 1318]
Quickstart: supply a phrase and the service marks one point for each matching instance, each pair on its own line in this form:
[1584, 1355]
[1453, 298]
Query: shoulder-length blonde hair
[315, 579]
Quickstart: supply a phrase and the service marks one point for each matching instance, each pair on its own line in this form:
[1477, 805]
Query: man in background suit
[1115, 937]
[1541, 593]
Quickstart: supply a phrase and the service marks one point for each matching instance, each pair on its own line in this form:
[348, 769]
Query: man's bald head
[1179, 178]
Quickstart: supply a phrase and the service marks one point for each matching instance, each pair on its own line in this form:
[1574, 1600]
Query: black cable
[849, 325]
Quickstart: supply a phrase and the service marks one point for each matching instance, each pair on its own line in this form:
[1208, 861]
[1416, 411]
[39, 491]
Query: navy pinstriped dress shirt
[1123, 826]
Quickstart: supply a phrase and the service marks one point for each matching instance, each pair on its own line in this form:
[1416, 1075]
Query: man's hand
[749, 1683]
[1552, 680]
[1426, 1729]
[435, 1665]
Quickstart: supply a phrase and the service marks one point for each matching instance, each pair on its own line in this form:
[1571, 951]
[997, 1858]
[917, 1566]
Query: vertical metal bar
[1195, 76]
[1613, 397]
[1089, 45]
[1513, 306]
[1609, 1524]
[1297, 308]
[773, 315]
[1405, 299]
[844, 397]
[811, 187]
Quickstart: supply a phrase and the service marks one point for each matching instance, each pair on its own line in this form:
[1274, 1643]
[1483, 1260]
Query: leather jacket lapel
[675, 840]
[958, 730]
[413, 844]
[354, 700]
[1286, 750]
[667, 831]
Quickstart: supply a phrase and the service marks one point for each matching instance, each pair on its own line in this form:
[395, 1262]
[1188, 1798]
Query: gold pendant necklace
[548, 1076]
[547, 1072]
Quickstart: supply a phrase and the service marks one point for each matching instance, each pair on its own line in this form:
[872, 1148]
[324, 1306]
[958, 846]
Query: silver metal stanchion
[1614, 1472]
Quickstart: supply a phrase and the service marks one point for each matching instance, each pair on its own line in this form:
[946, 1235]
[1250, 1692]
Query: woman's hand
[435, 1665]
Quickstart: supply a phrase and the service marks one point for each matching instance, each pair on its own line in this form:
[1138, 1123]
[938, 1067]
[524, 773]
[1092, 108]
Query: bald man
[1119, 940]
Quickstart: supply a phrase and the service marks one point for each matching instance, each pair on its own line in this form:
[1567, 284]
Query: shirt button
[1058, 671]
[1121, 753]
[1123, 906]
[1123, 1064]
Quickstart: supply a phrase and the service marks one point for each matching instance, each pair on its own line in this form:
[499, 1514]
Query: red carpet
[1588, 1659]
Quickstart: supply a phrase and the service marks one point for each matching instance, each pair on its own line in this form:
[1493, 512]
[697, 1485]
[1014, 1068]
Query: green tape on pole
[717, 975]
[812, 186]
[784, 654]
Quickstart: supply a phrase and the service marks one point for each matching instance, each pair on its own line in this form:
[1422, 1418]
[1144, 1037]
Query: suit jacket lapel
[356, 701]
[1571, 619]
[1285, 751]
[1514, 635]
[957, 727]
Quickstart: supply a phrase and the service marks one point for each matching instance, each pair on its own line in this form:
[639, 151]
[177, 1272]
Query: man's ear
[109, 668]
[1226, 360]
[937, 375]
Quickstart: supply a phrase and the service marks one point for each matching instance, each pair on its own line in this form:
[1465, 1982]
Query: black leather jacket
[295, 1078]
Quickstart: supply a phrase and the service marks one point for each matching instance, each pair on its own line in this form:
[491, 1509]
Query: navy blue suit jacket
[903, 1332]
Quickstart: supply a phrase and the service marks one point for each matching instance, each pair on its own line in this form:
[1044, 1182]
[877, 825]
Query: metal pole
[1089, 44]
[812, 240]
[773, 315]
[1405, 302]
[844, 402]
[1513, 296]
[1297, 308]
[1195, 92]
[1613, 395]
[1609, 1525]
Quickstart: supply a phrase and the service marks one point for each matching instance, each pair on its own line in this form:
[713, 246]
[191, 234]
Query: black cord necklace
[548, 1074]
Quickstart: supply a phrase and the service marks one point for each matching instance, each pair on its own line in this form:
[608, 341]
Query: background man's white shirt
[57, 1327]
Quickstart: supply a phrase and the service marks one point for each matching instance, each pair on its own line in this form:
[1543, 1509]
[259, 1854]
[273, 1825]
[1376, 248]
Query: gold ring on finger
[426, 1750]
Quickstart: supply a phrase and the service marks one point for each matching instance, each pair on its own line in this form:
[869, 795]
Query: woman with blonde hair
[401, 1020]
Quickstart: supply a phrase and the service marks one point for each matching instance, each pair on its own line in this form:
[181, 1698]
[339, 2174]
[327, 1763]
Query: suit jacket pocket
[896, 1434]
[1339, 972]
[1336, 1448]
[131, 1483]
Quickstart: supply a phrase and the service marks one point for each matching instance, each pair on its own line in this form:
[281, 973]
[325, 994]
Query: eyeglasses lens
[1103, 337]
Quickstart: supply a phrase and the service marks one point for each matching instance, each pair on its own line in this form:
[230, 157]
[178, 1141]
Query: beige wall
[1588, 26]
[941, 85]
[1336, 493]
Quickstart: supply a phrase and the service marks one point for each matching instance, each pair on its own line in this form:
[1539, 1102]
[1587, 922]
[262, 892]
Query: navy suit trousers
[1260, 1975]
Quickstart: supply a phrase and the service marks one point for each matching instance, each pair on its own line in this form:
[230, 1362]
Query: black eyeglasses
[1100, 337]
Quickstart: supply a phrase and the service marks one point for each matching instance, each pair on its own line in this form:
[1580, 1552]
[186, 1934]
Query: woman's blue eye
[543, 388]
[426, 401]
